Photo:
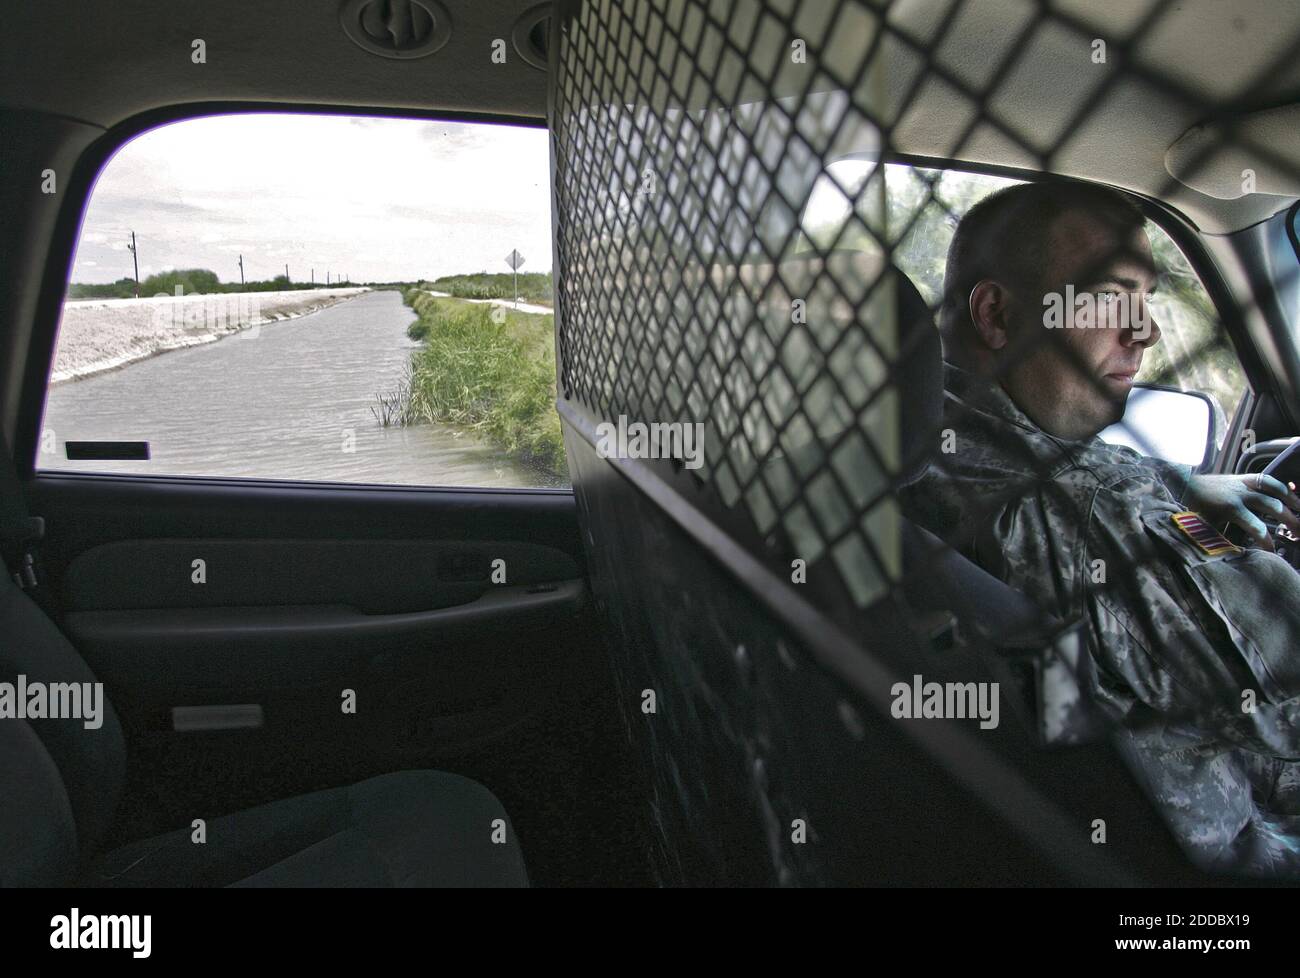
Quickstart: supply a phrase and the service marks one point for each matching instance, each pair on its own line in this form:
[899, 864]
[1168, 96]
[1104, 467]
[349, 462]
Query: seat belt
[19, 530]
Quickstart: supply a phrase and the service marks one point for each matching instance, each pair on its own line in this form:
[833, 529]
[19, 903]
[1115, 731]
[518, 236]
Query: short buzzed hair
[1004, 237]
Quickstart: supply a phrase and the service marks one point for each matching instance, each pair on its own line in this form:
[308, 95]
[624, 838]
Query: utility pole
[287, 280]
[136, 258]
[241, 269]
[313, 276]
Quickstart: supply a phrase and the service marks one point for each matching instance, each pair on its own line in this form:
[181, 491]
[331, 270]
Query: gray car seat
[63, 782]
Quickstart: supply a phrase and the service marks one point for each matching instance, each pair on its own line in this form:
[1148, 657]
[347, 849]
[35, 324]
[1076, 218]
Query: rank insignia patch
[1209, 540]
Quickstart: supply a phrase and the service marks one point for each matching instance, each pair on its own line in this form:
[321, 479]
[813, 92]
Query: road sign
[514, 260]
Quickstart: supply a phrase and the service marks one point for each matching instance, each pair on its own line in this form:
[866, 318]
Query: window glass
[924, 206]
[314, 297]
[1194, 352]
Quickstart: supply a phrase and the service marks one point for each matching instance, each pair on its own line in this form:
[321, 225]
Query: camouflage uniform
[1177, 636]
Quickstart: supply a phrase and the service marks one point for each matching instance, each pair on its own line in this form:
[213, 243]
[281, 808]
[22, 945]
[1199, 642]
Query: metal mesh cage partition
[748, 390]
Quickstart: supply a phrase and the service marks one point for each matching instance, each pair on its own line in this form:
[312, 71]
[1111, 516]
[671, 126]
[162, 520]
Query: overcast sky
[378, 199]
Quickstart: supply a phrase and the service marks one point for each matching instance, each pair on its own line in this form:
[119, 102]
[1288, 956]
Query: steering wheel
[1285, 467]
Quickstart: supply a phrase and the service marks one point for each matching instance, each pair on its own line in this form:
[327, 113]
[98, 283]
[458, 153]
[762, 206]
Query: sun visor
[1255, 153]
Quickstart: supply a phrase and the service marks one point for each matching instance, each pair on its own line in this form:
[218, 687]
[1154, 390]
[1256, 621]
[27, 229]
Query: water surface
[288, 400]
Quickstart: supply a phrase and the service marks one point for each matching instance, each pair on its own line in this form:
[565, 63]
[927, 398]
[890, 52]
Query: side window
[1194, 352]
[318, 298]
[923, 208]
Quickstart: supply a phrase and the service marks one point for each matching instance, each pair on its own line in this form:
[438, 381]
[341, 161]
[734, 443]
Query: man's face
[1078, 340]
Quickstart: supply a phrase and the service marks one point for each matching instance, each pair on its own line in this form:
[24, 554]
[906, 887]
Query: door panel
[377, 577]
[311, 591]
[163, 657]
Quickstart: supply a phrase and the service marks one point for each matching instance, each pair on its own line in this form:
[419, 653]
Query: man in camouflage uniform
[1196, 642]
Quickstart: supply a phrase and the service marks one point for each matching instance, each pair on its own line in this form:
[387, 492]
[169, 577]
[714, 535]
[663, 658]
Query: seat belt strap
[19, 530]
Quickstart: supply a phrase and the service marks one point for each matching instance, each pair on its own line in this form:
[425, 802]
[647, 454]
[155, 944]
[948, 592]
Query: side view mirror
[1168, 423]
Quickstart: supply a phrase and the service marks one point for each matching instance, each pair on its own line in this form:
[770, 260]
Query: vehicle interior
[650, 698]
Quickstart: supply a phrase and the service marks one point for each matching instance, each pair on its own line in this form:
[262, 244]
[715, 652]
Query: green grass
[494, 378]
[534, 287]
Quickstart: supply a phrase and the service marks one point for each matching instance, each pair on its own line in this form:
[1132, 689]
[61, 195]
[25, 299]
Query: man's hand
[1252, 502]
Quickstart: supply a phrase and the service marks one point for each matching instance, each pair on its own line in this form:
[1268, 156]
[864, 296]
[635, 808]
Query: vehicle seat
[63, 781]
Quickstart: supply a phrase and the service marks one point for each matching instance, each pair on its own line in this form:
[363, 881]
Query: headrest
[919, 378]
[853, 289]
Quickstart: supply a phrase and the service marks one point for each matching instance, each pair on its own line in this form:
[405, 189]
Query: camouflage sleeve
[1161, 655]
[1134, 683]
[1172, 474]
[1159, 650]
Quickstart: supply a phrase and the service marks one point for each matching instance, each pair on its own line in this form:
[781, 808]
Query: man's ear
[988, 311]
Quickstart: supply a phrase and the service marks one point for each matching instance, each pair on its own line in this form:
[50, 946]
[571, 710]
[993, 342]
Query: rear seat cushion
[91, 762]
[412, 828]
[36, 825]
